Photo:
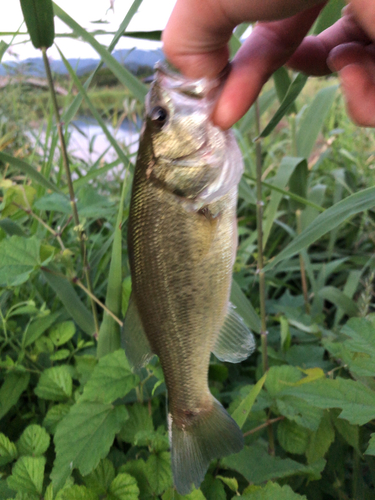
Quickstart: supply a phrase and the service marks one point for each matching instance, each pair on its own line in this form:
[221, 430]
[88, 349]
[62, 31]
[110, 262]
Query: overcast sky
[152, 15]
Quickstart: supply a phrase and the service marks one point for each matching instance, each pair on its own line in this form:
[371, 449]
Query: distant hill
[132, 59]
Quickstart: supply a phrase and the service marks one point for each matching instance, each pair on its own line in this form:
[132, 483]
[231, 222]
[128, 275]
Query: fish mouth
[204, 150]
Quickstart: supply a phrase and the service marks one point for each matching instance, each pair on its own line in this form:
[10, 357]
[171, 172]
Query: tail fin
[214, 435]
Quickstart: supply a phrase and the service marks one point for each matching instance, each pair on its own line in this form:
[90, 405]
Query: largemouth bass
[182, 240]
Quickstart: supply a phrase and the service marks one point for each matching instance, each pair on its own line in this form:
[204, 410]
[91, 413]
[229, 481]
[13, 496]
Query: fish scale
[182, 245]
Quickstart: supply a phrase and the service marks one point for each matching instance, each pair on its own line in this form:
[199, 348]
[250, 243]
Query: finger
[356, 67]
[364, 11]
[268, 47]
[311, 56]
[197, 33]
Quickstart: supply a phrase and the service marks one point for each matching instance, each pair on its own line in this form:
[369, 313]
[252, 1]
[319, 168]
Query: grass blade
[73, 304]
[137, 88]
[241, 413]
[313, 120]
[292, 94]
[325, 222]
[265, 101]
[339, 299]
[29, 170]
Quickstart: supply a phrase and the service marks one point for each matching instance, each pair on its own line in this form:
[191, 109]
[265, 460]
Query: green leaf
[77, 492]
[61, 333]
[27, 475]
[329, 15]
[29, 171]
[257, 466]
[3, 48]
[60, 355]
[11, 228]
[38, 16]
[135, 86]
[282, 82]
[73, 304]
[154, 35]
[109, 333]
[265, 101]
[299, 411]
[272, 491]
[55, 384]
[213, 489]
[56, 202]
[356, 401]
[139, 420]
[292, 94]
[371, 445]
[349, 432]
[111, 379]
[34, 441]
[18, 259]
[84, 437]
[292, 437]
[321, 439]
[123, 487]
[313, 119]
[172, 494]
[54, 416]
[101, 478]
[159, 473]
[325, 222]
[339, 299]
[8, 450]
[38, 327]
[13, 386]
[231, 482]
[139, 470]
[242, 411]
[280, 377]
[244, 307]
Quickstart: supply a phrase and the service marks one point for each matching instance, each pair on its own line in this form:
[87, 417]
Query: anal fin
[133, 338]
[235, 341]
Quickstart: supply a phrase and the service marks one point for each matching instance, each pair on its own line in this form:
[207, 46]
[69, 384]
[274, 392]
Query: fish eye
[159, 115]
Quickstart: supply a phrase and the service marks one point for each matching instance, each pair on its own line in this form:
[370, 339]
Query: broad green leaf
[14, 196]
[111, 379]
[8, 450]
[135, 86]
[298, 185]
[85, 365]
[349, 432]
[244, 307]
[60, 355]
[55, 384]
[231, 482]
[159, 473]
[109, 333]
[73, 304]
[356, 401]
[19, 257]
[242, 411]
[13, 386]
[280, 377]
[139, 420]
[292, 94]
[213, 488]
[123, 487]
[38, 15]
[84, 437]
[299, 411]
[27, 475]
[257, 466]
[371, 445]
[61, 333]
[313, 119]
[292, 437]
[56, 202]
[29, 170]
[139, 470]
[77, 492]
[272, 491]
[11, 228]
[34, 441]
[54, 415]
[321, 439]
[101, 478]
[172, 494]
[325, 222]
[38, 327]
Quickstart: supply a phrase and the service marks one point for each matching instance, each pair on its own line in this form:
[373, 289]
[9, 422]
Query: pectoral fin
[133, 338]
[235, 341]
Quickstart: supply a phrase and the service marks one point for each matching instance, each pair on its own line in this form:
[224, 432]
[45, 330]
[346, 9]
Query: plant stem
[262, 426]
[262, 279]
[73, 203]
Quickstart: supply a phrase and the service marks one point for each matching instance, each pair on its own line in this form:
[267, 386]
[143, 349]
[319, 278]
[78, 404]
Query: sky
[152, 15]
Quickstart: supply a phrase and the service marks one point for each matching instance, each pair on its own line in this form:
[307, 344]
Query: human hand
[196, 37]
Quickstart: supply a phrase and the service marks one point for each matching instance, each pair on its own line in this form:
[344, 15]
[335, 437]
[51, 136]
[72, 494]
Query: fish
[182, 241]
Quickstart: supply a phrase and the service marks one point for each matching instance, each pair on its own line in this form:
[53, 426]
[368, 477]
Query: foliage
[76, 423]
